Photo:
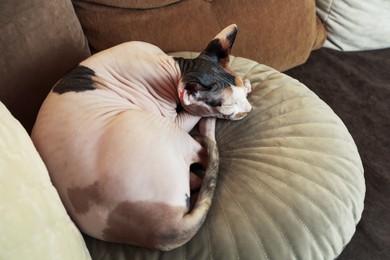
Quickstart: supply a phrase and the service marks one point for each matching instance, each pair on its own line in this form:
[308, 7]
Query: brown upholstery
[280, 34]
[40, 40]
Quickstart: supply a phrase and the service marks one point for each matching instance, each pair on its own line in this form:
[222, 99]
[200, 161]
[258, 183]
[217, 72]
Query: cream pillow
[33, 221]
[354, 25]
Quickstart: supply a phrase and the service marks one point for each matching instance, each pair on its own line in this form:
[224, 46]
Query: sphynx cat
[113, 133]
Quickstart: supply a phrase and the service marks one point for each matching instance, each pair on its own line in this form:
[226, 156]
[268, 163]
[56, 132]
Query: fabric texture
[291, 181]
[280, 34]
[355, 25]
[356, 85]
[39, 41]
[34, 223]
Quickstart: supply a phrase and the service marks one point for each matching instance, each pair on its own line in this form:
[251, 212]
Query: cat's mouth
[241, 115]
[235, 117]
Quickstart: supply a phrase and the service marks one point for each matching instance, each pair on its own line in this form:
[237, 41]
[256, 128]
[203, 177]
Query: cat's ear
[189, 91]
[222, 44]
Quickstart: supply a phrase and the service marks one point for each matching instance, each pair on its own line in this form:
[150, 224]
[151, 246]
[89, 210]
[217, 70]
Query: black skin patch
[77, 80]
[205, 78]
[205, 71]
[215, 47]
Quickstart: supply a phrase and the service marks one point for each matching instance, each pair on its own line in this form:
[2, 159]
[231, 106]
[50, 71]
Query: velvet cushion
[33, 221]
[357, 87]
[355, 25]
[40, 40]
[291, 182]
[280, 33]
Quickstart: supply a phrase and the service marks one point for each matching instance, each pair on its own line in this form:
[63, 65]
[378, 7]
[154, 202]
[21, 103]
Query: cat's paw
[247, 86]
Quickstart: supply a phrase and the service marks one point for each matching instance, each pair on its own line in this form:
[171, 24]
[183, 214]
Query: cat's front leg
[207, 127]
[186, 121]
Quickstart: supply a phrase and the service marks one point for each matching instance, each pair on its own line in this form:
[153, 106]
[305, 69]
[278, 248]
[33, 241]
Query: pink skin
[95, 142]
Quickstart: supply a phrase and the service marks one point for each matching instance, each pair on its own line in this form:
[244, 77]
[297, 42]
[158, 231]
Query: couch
[41, 40]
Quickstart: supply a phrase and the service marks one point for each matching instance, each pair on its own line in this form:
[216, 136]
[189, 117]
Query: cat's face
[208, 86]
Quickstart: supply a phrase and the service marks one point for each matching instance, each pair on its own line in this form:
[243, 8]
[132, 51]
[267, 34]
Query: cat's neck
[184, 64]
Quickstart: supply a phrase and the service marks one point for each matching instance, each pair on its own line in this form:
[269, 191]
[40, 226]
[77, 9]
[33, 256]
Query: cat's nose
[245, 109]
[240, 115]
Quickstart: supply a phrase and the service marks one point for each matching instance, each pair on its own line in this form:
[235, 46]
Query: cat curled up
[117, 146]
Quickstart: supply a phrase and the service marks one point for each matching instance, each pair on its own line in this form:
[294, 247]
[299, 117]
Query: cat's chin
[234, 117]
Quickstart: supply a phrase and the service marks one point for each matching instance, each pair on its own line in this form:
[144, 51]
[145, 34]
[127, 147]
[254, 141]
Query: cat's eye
[214, 103]
[228, 105]
[211, 86]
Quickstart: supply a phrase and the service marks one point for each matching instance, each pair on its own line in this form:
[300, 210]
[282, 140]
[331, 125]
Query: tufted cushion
[279, 33]
[291, 180]
[33, 221]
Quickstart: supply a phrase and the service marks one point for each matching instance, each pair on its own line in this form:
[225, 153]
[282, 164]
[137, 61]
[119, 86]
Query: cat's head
[208, 86]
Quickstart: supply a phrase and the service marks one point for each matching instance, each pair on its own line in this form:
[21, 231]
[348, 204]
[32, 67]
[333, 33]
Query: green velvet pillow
[33, 221]
[291, 182]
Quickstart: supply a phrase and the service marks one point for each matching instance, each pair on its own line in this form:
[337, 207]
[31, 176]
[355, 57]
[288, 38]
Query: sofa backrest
[40, 40]
[280, 34]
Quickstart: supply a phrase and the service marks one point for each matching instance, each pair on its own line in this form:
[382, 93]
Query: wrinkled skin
[117, 146]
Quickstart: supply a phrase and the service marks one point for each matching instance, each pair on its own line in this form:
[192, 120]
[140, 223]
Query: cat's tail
[198, 214]
[193, 220]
